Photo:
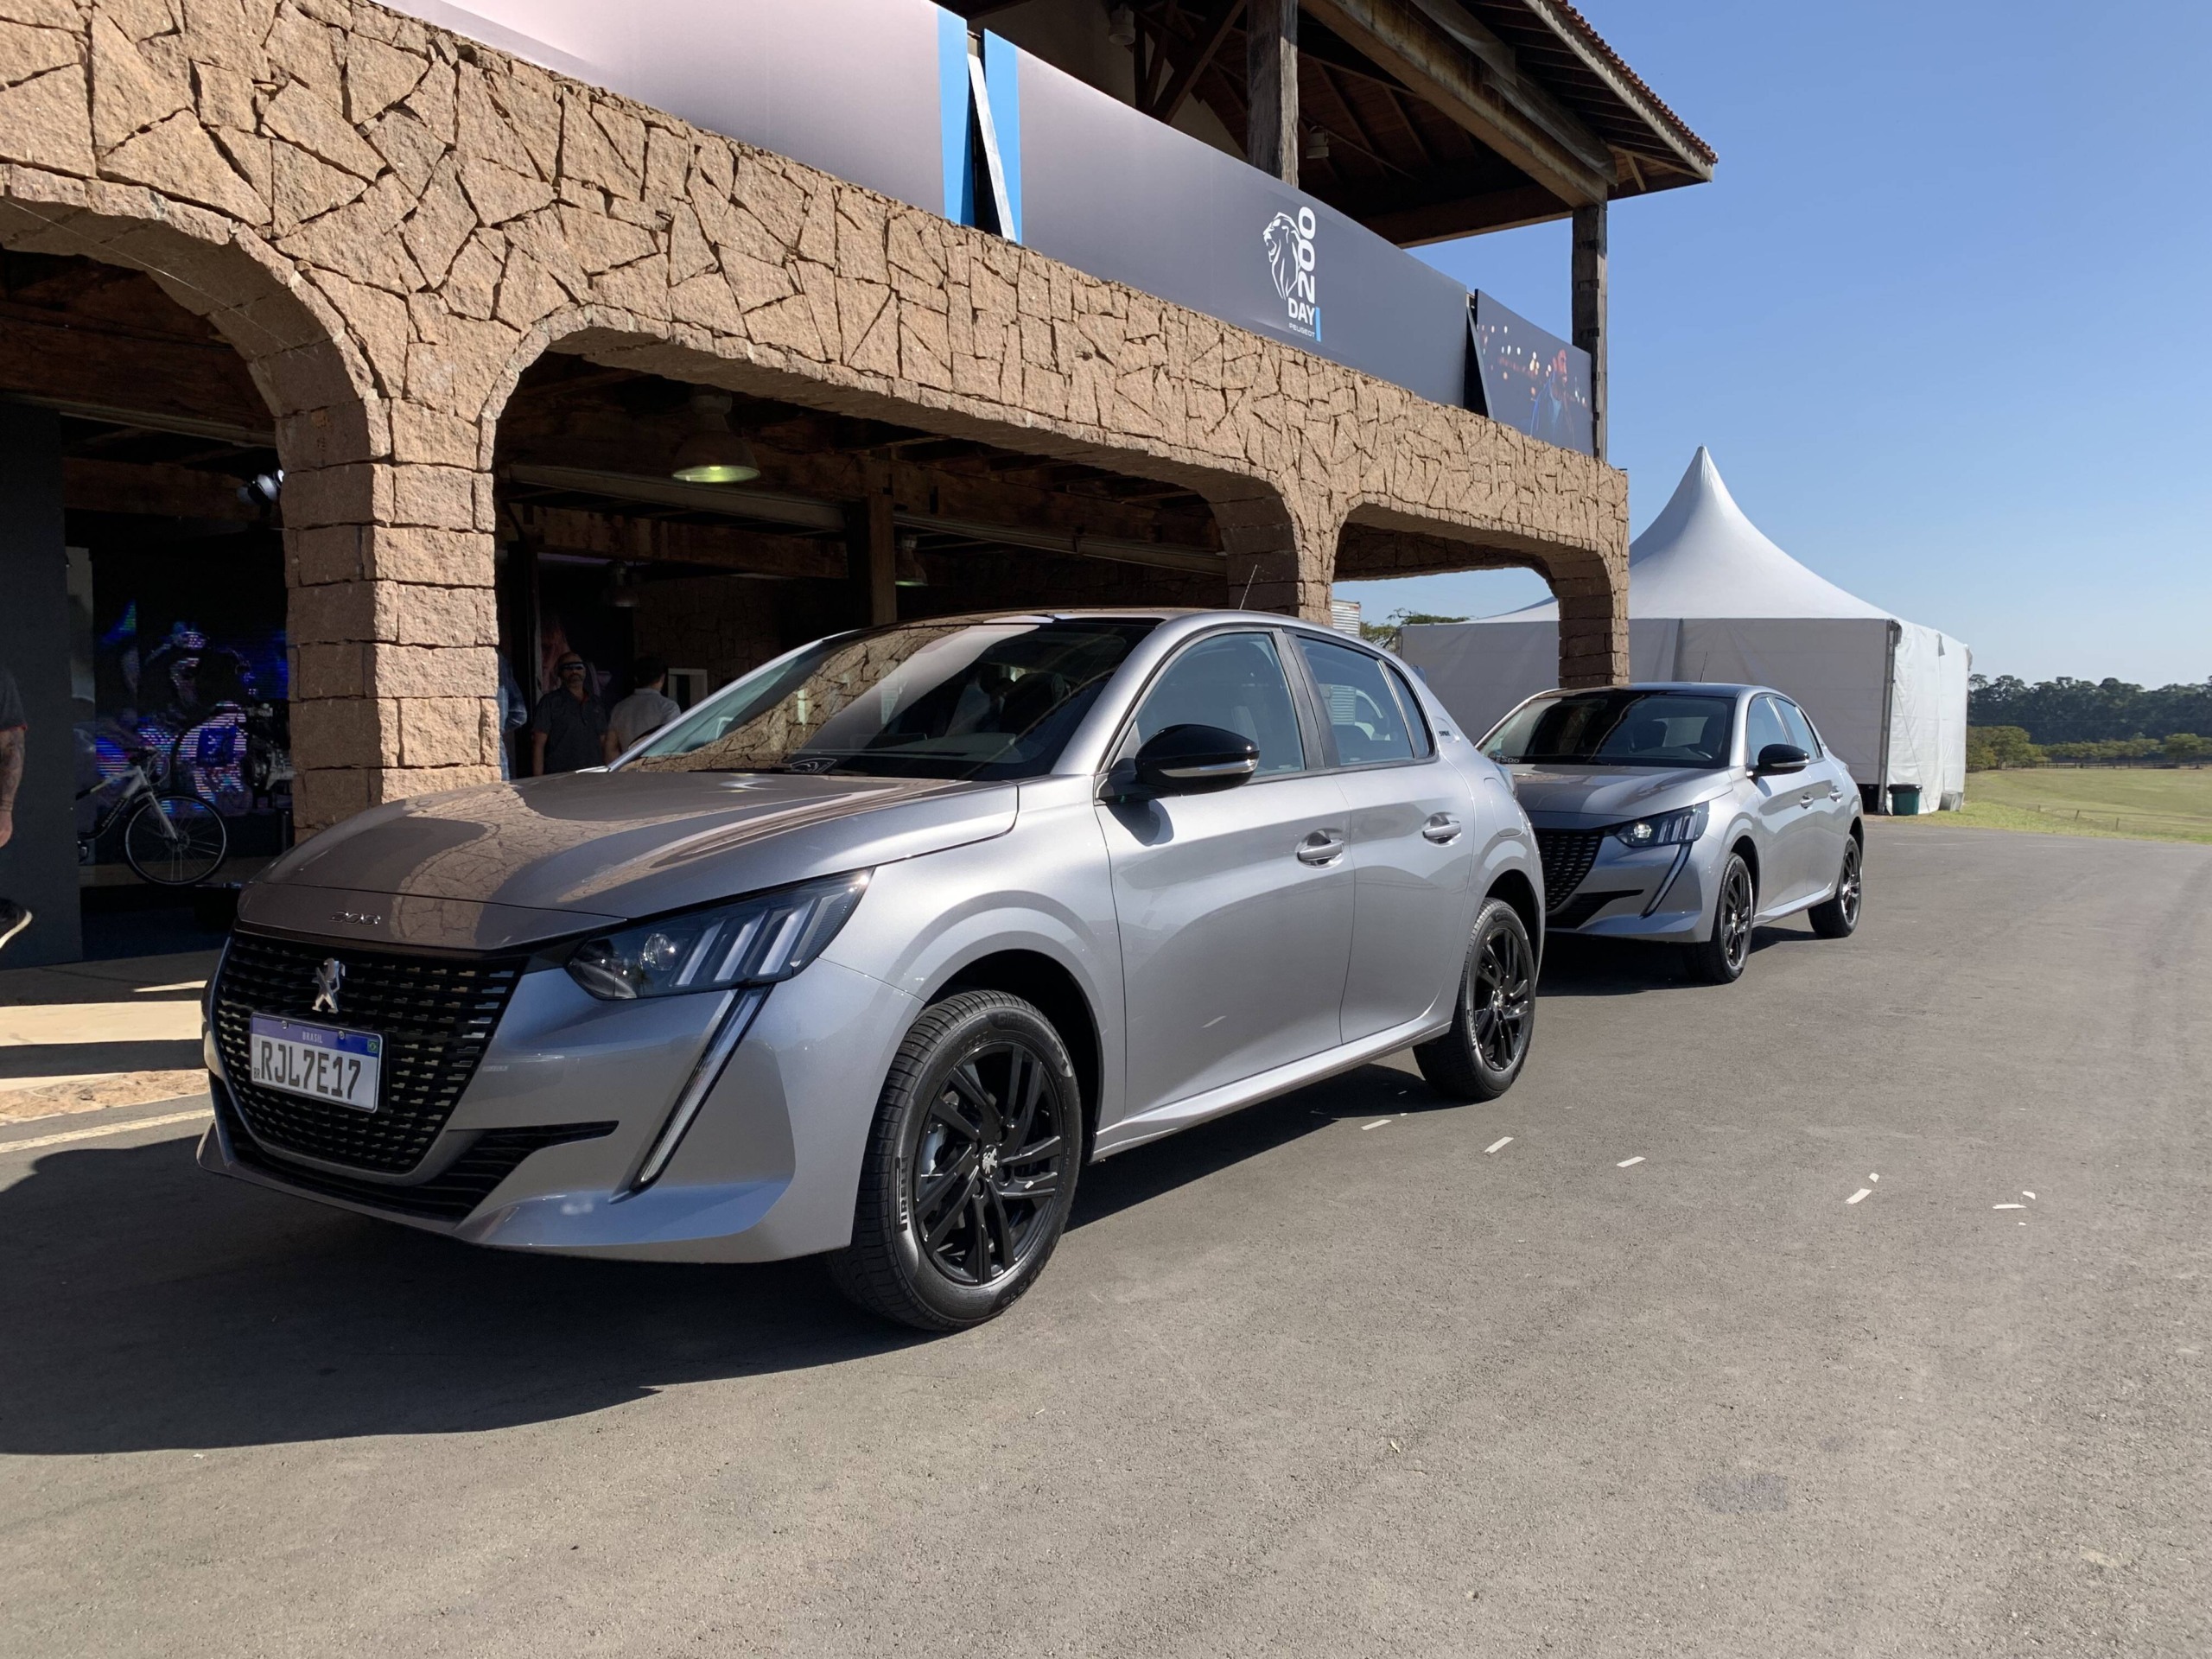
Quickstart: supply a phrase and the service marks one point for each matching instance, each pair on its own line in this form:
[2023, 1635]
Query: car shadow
[151, 1305]
[1576, 966]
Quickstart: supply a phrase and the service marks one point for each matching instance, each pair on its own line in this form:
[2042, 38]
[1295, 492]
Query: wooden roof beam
[1548, 145]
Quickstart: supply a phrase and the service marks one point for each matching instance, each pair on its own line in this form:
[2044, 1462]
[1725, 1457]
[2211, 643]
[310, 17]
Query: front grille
[436, 1015]
[1567, 856]
[451, 1195]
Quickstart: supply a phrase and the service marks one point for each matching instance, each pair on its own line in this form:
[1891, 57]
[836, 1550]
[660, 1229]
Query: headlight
[1685, 825]
[753, 942]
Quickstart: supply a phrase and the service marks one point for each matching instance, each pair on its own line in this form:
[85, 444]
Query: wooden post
[882, 558]
[1271, 141]
[1590, 309]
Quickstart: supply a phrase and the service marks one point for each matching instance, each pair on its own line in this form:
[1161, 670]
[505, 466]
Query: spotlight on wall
[621, 589]
[1122, 26]
[262, 489]
[908, 571]
[713, 454]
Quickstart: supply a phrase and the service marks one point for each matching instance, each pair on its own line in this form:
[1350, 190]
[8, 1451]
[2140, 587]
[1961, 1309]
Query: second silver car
[1688, 813]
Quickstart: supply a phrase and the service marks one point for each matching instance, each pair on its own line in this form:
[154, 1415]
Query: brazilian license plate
[317, 1062]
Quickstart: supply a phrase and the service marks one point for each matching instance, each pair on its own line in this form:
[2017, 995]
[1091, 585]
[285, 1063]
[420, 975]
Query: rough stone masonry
[390, 223]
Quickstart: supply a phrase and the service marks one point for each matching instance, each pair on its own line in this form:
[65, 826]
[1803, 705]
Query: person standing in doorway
[14, 729]
[568, 731]
[645, 709]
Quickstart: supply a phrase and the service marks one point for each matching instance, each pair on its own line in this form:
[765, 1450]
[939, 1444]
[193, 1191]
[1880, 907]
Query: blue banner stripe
[952, 117]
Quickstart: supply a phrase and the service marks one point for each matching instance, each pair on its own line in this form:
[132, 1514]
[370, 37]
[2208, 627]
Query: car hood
[509, 864]
[1569, 798]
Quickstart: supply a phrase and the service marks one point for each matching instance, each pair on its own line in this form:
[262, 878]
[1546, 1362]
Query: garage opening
[693, 533]
[147, 631]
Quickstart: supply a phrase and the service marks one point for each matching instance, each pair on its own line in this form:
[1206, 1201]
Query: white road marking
[1860, 1194]
[2008, 1206]
[1625, 1162]
[1873, 1178]
[122, 1128]
[2027, 1195]
[1379, 1123]
[1495, 1145]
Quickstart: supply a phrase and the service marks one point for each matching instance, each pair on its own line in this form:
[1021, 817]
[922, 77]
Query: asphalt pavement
[1615, 1365]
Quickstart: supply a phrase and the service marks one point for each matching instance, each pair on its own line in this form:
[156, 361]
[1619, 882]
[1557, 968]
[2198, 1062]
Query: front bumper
[541, 1151]
[1651, 892]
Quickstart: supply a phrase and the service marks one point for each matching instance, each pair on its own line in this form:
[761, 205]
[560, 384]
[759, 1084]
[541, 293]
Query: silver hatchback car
[869, 952]
[1685, 812]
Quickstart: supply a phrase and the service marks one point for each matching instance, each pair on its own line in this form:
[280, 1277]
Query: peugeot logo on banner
[1290, 259]
[327, 979]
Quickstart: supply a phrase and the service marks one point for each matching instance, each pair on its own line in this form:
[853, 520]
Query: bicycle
[170, 839]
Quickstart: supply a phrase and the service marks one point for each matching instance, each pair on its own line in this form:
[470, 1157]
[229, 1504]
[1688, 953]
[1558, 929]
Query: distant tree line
[2067, 711]
[1991, 747]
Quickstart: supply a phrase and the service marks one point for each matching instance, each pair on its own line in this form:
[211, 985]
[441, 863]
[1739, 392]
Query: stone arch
[331, 430]
[1591, 585]
[1260, 531]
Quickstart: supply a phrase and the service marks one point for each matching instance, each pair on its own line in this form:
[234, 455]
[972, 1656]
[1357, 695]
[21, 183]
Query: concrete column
[1594, 625]
[394, 633]
[1590, 309]
[1276, 560]
[1271, 141]
[38, 867]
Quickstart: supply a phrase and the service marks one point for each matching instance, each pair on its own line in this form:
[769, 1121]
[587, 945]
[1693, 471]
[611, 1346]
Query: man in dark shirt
[568, 731]
[14, 918]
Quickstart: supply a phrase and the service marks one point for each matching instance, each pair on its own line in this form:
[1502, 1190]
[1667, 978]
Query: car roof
[1704, 687]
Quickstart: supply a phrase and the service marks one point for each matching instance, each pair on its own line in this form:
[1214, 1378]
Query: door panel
[1829, 811]
[1233, 946]
[1235, 907]
[1784, 857]
[1411, 833]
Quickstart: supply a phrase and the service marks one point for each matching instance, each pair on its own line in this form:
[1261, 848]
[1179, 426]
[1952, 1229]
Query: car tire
[970, 1168]
[1838, 918]
[1719, 959]
[1494, 1019]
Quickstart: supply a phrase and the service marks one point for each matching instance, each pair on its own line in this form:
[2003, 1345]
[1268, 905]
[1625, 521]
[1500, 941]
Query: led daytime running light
[756, 941]
[1667, 828]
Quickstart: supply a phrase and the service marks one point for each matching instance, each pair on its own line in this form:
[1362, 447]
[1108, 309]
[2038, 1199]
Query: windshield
[1618, 727]
[991, 700]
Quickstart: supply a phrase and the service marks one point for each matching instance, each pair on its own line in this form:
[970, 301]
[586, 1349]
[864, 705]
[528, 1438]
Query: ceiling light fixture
[713, 454]
[908, 571]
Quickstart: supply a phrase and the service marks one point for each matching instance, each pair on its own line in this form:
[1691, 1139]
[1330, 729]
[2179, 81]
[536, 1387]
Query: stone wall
[391, 223]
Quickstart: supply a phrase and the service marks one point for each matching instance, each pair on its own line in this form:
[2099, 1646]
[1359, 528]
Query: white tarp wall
[1889, 697]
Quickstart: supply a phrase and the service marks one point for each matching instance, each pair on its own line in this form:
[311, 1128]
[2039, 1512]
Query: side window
[1762, 726]
[1801, 729]
[1234, 681]
[1363, 717]
[1424, 744]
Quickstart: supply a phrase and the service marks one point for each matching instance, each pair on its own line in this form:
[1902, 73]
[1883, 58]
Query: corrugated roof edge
[1578, 29]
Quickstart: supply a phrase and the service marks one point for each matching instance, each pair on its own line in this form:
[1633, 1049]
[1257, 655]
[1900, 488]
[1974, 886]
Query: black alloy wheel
[986, 1165]
[971, 1169]
[1719, 959]
[1495, 1018]
[1837, 917]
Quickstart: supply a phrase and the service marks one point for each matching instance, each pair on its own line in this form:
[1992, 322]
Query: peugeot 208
[867, 953]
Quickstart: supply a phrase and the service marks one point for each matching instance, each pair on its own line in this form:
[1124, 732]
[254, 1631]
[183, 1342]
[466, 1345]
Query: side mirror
[1186, 761]
[1780, 758]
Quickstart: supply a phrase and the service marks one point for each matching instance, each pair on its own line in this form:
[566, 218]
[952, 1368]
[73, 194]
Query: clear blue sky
[1944, 315]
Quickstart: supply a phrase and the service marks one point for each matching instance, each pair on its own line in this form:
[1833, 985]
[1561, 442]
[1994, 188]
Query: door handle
[1806, 799]
[1322, 847]
[1442, 829]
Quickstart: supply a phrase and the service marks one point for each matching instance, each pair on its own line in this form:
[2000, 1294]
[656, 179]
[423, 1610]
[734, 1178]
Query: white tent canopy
[1711, 598]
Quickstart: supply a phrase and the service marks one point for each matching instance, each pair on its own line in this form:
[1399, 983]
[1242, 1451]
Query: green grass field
[2131, 804]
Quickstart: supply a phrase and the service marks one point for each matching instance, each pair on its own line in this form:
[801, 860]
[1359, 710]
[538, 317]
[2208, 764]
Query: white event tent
[1711, 598]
